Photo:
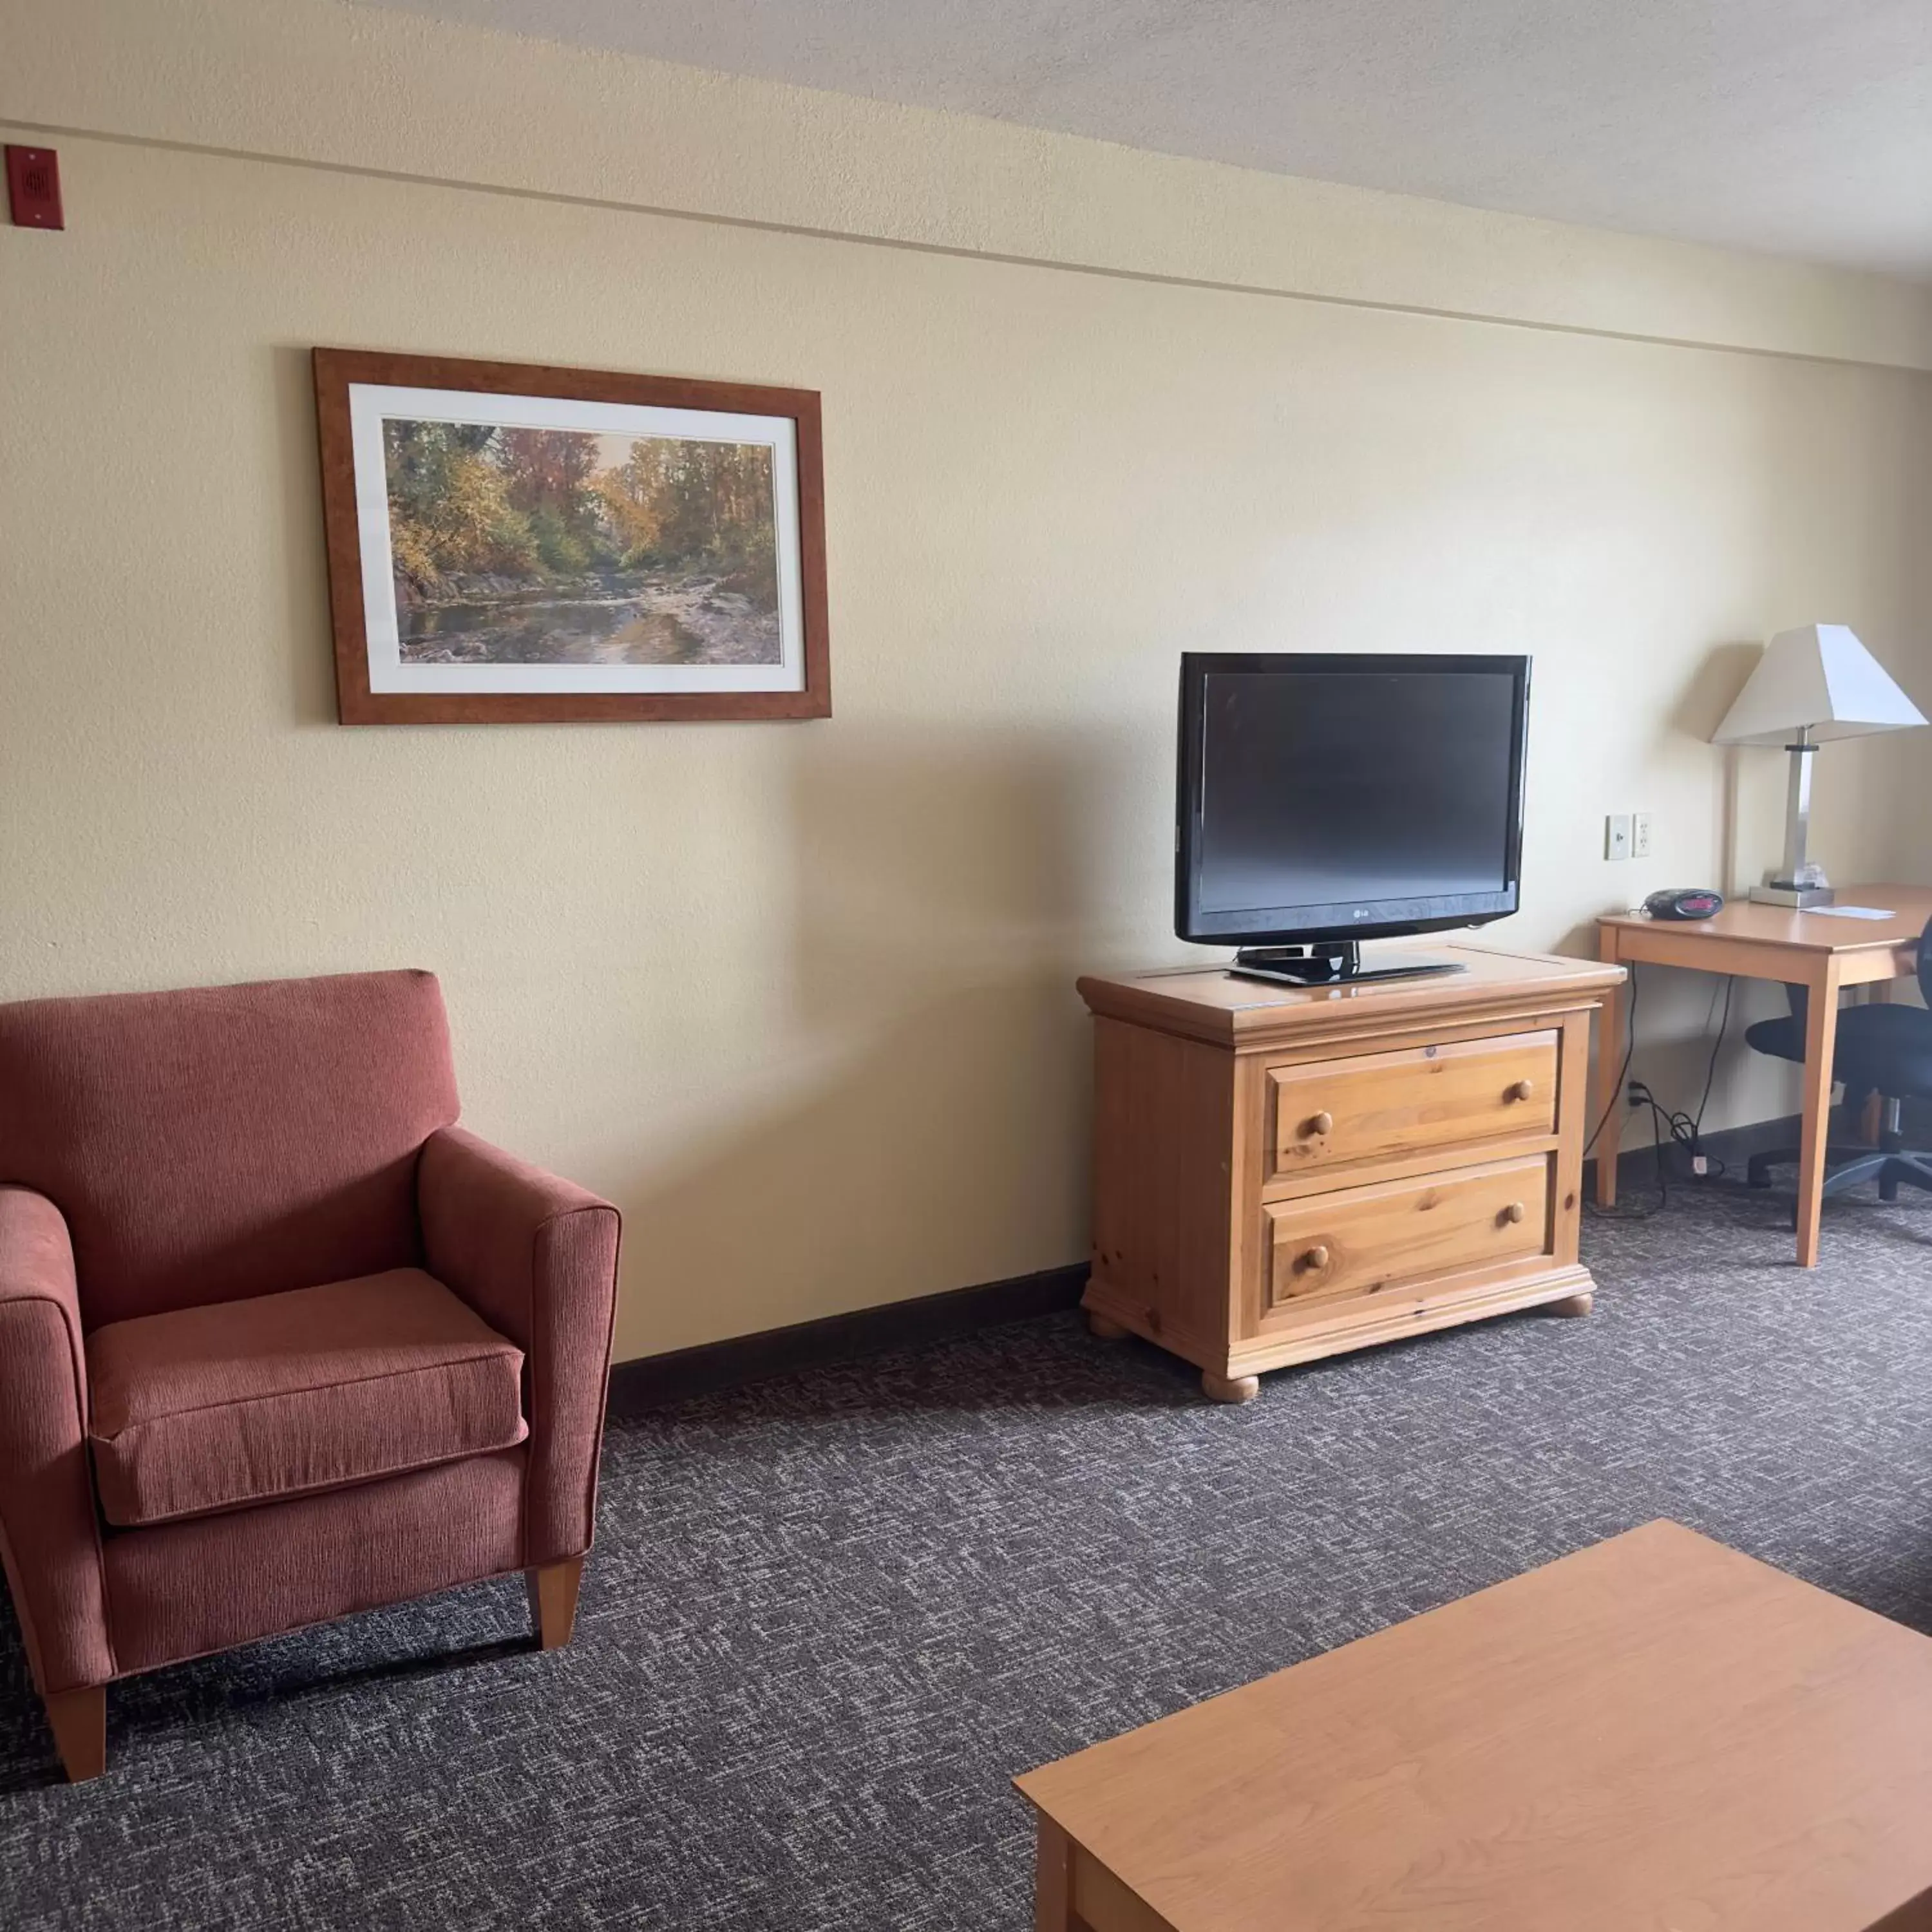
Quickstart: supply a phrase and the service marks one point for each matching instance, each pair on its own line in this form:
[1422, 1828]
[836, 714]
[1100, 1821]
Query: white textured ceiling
[1800, 128]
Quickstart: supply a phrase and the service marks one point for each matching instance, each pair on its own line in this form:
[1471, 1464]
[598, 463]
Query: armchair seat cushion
[217, 1408]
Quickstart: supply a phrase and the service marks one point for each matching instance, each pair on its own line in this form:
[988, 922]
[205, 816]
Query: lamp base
[1772, 893]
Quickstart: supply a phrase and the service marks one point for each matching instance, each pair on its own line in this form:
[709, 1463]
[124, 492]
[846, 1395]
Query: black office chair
[1885, 1050]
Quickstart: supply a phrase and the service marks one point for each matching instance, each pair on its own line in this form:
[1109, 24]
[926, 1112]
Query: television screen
[1326, 796]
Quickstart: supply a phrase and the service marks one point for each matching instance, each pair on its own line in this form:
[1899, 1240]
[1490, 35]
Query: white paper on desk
[1851, 912]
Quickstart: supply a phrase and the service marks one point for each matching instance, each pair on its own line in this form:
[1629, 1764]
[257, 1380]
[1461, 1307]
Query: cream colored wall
[798, 998]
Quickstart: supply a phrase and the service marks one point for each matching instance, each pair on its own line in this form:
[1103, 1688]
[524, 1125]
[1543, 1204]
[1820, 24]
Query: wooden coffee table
[1654, 1734]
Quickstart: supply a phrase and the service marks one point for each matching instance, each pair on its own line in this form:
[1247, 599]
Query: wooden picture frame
[599, 546]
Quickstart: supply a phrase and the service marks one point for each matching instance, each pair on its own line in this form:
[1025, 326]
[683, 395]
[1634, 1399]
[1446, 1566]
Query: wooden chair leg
[553, 1588]
[79, 1721]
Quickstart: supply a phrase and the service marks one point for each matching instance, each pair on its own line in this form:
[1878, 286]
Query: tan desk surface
[1807, 932]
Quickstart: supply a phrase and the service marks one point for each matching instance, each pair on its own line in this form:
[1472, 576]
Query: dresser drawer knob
[1523, 1090]
[1316, 1257]
[1318, 1123]
[1515, 1211]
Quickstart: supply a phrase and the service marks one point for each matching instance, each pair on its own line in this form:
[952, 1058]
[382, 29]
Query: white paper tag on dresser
[1851, 912]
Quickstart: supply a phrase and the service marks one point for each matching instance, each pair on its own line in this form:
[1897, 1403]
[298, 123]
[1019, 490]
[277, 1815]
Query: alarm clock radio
[1684, 902]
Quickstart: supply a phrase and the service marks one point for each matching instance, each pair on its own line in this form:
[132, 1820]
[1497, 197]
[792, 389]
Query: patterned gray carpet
[829, 1618]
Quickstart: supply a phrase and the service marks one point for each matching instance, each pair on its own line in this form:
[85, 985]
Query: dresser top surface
[1209, 1003]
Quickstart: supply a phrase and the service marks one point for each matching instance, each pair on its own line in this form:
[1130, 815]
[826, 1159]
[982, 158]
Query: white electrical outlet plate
[1639, 835]
[1617, 835]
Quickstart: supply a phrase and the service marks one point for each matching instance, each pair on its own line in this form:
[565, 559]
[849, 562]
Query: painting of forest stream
[515, 546]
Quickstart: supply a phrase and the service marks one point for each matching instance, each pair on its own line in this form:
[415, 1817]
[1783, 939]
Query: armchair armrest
[537, 1258]
[49, 1535]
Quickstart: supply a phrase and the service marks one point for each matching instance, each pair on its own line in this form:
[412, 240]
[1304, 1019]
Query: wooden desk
[1656, 1732]
[1762, 942]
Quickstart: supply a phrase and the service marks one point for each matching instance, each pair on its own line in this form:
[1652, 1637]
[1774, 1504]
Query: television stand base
[1338, 964]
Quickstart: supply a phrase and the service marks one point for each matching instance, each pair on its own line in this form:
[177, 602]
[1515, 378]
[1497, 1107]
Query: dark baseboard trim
[651, 1382]
[1636, 1167]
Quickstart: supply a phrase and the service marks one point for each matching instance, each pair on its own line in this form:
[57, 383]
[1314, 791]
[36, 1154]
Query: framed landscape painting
[512, 542]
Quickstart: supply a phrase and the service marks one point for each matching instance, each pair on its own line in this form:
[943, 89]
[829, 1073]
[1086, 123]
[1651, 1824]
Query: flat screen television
[1326, 799]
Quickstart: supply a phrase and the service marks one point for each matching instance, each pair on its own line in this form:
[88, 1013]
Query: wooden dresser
[1283, 1173]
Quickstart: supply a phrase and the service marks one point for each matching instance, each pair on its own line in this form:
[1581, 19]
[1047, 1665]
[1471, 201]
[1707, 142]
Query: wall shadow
[1697, 711]
[931, 860]
[929, 1130]
[303, 574]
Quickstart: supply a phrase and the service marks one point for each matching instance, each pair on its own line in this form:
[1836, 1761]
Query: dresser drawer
[1399, 1233]
[1329, 1113]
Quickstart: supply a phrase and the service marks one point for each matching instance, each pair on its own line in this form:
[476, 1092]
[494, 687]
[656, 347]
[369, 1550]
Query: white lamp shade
[1819, 677]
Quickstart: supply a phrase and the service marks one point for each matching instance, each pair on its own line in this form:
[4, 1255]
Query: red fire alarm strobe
[33, 187]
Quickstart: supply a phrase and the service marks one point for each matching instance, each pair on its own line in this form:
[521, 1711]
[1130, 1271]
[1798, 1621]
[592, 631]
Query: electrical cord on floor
[1623, 1072]
[1673, 1125]
[1686, 1130]
[1678, 1128]
[1639, 1095]
[1713, 1168]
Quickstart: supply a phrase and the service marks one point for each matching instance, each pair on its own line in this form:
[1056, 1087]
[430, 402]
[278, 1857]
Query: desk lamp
[1813, 683]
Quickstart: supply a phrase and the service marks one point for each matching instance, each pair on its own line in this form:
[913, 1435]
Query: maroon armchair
[278, 1340]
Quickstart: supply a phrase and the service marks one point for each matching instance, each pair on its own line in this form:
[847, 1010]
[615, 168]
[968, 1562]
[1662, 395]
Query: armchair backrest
[227, 1140]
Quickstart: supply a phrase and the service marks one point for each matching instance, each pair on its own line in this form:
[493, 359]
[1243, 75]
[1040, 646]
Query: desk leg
[1605, 1106]
[1821, 1034]
[1053, 1879]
